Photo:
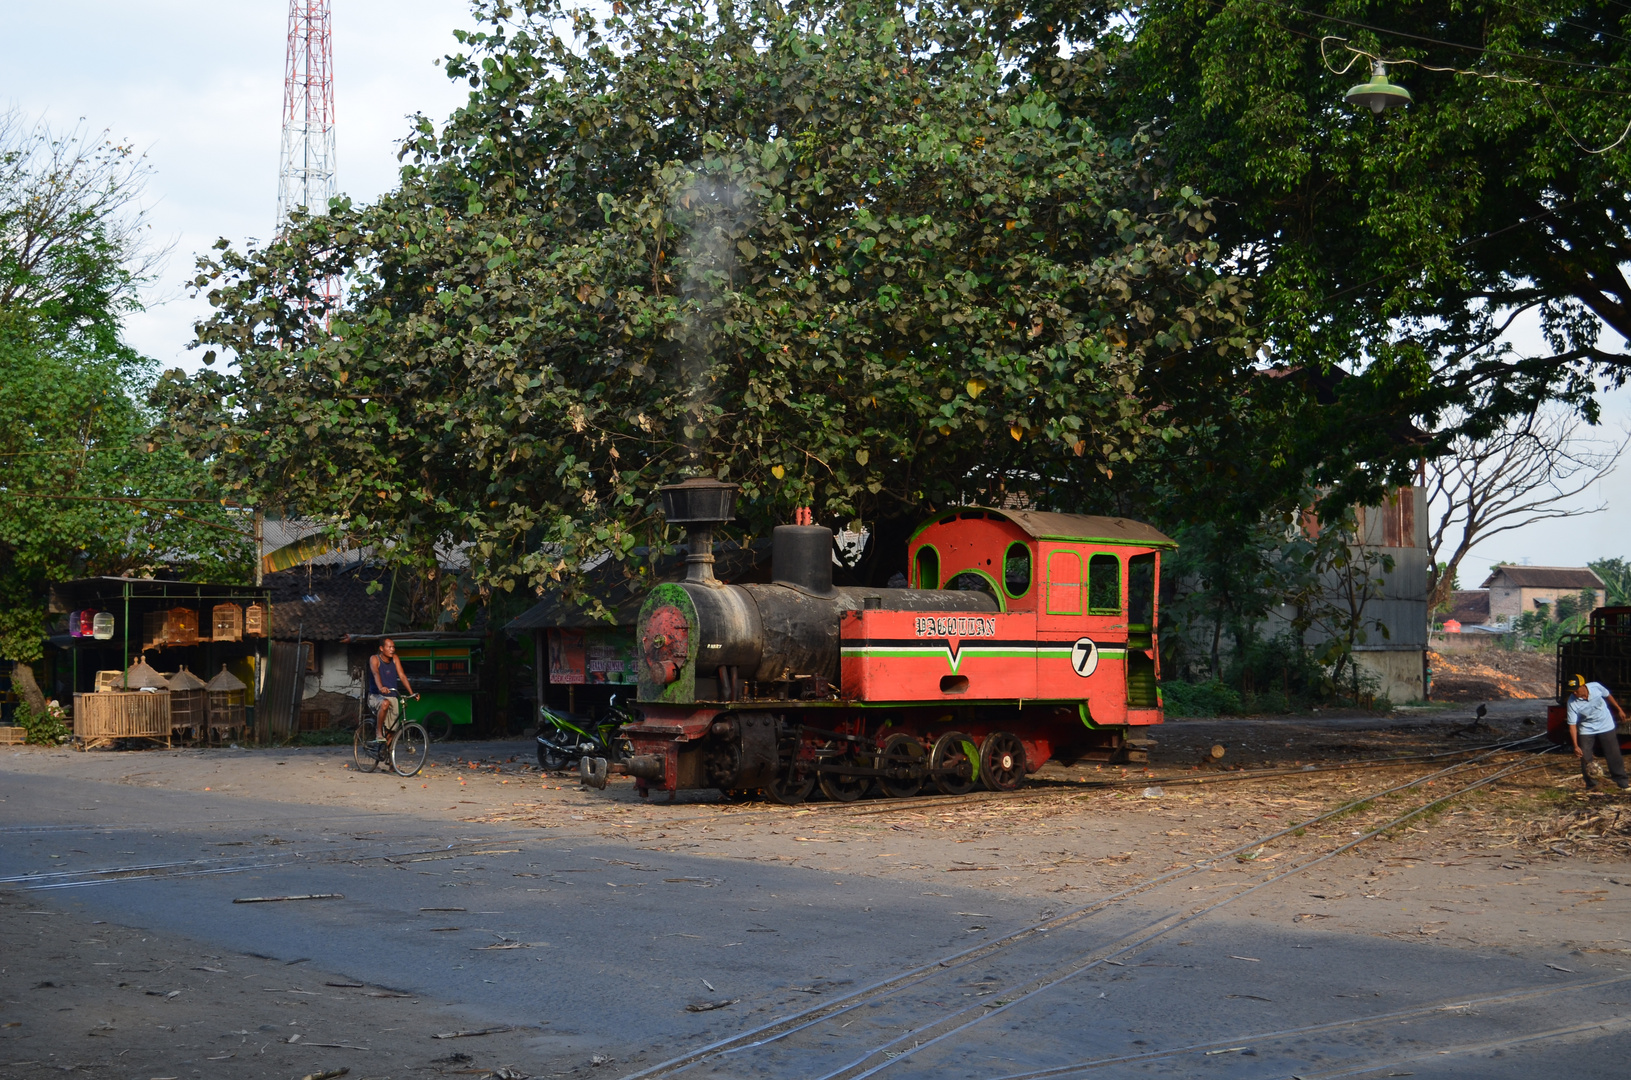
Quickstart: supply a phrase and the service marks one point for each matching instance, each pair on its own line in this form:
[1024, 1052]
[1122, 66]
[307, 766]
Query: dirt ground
[1531, 863]
[1493, 674]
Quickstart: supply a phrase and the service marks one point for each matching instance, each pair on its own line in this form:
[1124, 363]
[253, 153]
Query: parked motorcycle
[564, 738]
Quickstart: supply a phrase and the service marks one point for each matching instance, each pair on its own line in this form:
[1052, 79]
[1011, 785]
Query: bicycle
[406, 743]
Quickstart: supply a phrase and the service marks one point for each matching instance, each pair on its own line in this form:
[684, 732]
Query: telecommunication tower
[306, 167]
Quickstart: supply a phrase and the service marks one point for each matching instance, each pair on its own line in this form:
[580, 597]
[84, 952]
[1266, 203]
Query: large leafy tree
[83, 488]
[1403, 246]
[844, 254]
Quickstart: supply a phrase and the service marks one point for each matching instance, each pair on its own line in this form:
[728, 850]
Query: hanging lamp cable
[1357, 54]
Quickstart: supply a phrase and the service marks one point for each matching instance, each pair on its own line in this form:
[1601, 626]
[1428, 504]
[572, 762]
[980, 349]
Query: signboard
[568, 660]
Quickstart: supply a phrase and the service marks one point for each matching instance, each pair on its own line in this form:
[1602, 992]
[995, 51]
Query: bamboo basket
[101, 718]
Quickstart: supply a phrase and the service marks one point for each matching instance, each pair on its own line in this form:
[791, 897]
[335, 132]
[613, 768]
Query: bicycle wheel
[438, 725]
[409, 749]
[363, 752]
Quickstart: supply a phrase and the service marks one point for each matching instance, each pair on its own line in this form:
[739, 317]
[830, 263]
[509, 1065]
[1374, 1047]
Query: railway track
[1052, 788]
[885, 1027]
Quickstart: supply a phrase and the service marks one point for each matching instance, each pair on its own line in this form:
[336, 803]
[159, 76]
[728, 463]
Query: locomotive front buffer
[1022, 636]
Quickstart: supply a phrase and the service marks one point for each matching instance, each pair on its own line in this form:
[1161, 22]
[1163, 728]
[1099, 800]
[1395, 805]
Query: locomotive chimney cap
[701, 500]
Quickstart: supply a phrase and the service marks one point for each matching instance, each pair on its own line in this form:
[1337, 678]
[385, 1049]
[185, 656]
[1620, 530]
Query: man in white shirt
[1593, 714]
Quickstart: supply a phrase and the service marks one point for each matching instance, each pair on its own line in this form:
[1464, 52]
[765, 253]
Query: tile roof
[1469, 606]
[1545, 577]
[317, 604]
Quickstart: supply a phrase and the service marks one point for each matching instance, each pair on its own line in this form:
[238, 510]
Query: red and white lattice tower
[306, 168]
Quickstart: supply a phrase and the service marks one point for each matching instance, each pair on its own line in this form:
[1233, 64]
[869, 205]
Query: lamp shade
[1379, 93]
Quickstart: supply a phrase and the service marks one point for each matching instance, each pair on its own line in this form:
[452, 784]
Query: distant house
[1514, 590]
[1469, 607]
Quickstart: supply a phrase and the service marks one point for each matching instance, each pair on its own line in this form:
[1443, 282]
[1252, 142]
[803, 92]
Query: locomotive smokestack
[701, 504]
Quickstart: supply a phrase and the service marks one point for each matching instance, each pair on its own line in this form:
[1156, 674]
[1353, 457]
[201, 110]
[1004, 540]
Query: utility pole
[307, 164]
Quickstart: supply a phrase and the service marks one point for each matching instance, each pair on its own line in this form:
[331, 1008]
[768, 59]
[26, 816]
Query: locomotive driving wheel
[1002, 761]
[837, 786]
[794, 790]
[954, 764]
[902, 759]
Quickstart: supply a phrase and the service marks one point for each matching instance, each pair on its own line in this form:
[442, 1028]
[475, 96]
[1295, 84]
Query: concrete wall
[334, 672]
[1460, 644]
[1398, 673]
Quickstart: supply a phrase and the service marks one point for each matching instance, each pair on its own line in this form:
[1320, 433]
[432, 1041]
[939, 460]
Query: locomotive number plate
[1084, 656]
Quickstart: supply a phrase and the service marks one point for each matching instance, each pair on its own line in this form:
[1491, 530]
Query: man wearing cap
[1591, 725]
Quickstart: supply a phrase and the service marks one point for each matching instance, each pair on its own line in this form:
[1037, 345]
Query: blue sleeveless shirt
[386, 684]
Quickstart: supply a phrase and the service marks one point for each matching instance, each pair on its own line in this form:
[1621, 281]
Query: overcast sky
[199, 87]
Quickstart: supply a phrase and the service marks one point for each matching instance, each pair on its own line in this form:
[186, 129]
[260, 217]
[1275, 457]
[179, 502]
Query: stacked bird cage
[226, 704]
[189, 705]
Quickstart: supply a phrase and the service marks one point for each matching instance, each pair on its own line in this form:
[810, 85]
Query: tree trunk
[22, 680]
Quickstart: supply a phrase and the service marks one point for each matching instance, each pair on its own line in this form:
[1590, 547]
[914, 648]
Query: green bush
[48, 728]
[1200, 699]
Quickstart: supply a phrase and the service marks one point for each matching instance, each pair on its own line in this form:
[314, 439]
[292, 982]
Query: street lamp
[1378, 94]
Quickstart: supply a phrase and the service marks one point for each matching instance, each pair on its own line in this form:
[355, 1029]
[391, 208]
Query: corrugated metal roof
[1545, 577]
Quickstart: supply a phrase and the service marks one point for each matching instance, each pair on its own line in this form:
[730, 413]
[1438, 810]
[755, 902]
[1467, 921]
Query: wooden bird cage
[141, 676]
[227, 623]
[177, 626]
[100, 719]
[189, 705]
[226, 704]
[255, 620]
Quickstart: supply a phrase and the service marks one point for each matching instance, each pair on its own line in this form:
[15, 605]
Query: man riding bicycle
[386, 683]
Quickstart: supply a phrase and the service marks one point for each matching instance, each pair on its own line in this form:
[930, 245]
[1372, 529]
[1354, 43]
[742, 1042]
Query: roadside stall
[106, 631]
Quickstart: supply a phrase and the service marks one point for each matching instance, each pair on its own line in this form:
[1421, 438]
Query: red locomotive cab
[1077, 597]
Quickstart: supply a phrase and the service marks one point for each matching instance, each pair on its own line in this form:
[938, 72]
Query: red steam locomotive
[1022, 636]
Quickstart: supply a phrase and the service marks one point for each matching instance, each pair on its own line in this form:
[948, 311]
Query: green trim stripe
[926, 651]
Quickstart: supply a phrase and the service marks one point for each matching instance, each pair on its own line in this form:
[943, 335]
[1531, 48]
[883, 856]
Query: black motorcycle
[563, 739]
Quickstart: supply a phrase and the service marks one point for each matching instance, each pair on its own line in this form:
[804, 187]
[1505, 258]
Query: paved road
[603, 946]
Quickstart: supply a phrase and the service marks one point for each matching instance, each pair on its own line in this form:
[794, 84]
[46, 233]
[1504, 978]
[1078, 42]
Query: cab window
[1016, 569]
[1104, 585]
[1141, 592]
